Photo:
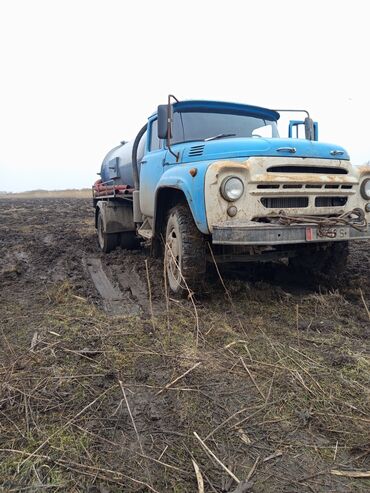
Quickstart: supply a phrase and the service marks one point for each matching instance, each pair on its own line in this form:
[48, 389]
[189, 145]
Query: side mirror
[309, 129]
[163, 121]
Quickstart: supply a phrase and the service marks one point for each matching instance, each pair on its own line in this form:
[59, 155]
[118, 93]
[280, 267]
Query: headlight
[232, 188]
[365, 189]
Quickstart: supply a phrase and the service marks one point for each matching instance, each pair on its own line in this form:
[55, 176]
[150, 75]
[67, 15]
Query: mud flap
[117, 217]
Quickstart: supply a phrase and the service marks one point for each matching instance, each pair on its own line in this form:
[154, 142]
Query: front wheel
[185, 259]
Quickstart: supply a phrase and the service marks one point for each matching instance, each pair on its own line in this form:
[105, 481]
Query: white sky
[78, 76]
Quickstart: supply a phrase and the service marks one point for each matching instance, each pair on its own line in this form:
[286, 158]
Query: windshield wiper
[219, 136]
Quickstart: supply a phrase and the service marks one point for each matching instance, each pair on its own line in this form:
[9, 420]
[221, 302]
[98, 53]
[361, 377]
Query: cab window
[141, 148]
[155, 143]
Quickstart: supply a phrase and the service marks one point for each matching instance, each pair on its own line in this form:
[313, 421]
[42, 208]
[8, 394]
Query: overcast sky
[78, 76]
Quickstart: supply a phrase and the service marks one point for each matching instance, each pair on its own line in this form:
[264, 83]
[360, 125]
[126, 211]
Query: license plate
[327, 234]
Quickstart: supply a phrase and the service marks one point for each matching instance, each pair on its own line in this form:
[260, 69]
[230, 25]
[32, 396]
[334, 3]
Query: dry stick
[64, 426]
[14, 424]
[150, 294]
[248, 352]
[207, 449]
[271, 344]
[225, 288]
[162, 454]
[299, 378]
[7, 342]
[163, 463]
[297, 325]
[179, 378]
[204, 474]
[314, 475]
[351, 474]
[308, 374]
[219, 275]
[364, 302]
[256, 412]
[356, 418]
[277, 367]
[131, 416]
[335, 451]
[270, 388]
[95, 435]
[168, 249]
[166, 295]
[199, 477]
[253, 469]
[67, 464]
[226, 421]
[253, 380]
[305, 355]
[26, 413]
[134, 425]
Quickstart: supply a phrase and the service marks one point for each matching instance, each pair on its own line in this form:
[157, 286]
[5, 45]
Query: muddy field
[109, 385]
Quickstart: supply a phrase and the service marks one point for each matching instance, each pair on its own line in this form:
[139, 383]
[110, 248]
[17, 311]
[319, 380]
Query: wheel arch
[166, 198]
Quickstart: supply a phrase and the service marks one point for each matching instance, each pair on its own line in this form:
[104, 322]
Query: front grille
[323, 170]
[268, 186]
[308, 186]
[284, 202]
[330, 201]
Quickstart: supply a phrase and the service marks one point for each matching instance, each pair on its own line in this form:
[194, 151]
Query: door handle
[292, 150]
[143, 162]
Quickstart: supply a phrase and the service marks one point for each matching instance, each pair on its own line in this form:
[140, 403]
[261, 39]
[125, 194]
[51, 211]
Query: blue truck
[211, 181]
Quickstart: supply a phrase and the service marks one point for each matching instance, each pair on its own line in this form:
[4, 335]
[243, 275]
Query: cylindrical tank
[117, 164]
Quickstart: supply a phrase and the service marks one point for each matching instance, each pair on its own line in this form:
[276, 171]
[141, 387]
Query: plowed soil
[108, 384]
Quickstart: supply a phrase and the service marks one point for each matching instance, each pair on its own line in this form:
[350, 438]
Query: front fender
[178, 176]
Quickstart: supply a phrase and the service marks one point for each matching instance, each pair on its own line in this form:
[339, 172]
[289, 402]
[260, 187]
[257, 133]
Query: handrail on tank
[105, 183]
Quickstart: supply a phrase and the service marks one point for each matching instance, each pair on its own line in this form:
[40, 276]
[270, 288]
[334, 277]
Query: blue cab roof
[225, 107]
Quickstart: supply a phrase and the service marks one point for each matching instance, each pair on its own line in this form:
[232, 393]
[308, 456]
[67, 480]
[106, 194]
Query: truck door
[151, 169]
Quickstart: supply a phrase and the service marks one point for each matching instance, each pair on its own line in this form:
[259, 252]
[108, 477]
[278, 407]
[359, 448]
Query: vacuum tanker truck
[211, 181]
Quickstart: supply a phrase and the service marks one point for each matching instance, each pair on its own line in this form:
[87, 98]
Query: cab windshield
[192, 126]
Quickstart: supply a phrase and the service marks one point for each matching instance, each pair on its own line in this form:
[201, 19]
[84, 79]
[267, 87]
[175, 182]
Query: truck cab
[213, 182]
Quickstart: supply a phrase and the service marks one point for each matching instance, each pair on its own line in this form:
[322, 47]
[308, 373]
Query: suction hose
[135, 170]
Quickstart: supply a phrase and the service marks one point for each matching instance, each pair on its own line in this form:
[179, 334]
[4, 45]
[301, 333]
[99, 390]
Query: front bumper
[252, 233]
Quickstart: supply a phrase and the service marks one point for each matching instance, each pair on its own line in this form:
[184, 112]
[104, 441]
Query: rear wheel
[185, 260]
[107, 241]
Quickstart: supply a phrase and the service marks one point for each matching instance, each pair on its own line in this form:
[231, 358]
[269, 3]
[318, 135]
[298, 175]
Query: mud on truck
[210, 181]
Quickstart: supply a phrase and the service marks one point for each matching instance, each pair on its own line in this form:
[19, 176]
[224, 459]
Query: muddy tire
[185, 259]
[128, 240]
[322, 264]
[107, 241]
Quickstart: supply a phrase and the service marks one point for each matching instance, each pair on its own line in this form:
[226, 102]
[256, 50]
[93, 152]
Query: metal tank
[117, 164]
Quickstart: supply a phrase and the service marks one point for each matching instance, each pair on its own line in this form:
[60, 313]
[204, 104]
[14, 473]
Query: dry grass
[275, 385]
[296, 409]
[33, 194]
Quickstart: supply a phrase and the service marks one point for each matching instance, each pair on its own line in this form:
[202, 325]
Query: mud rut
[48, 243]
[49, 240]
